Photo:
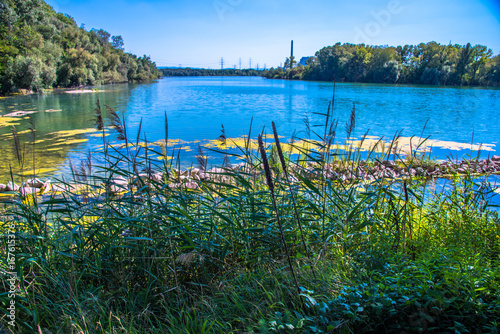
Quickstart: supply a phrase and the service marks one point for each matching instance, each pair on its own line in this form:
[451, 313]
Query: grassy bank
[276, 247]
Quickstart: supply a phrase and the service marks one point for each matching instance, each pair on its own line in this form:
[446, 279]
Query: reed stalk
[270, 185]
[296, 212]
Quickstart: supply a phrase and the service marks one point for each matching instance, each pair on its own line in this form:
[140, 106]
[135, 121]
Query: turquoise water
[198, 106]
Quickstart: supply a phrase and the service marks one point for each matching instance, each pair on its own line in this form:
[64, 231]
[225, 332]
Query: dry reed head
[190, 258]
[267, 170]
[332, 132]
[117, 124]
[82, 171]
[200, 158]
[222, 138]
[17, 145]
[308, 126]
[99, 124]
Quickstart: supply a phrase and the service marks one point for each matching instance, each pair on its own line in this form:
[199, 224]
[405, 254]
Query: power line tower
[257, 66]
[222, 63]
[240, 63]
[265, 66]
[250, 62]
[291, 56]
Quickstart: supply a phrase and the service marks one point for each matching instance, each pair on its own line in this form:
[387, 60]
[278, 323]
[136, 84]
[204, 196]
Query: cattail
[270, 185]
[297, 217]
[267, 170]
[99, 124]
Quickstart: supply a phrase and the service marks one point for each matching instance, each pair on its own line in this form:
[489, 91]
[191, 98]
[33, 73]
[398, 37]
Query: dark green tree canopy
[426, 63]
[40, 49]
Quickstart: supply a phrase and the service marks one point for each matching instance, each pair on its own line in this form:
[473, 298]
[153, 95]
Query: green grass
[388, 256]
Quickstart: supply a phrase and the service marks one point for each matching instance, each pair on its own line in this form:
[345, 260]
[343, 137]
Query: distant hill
[40, 49]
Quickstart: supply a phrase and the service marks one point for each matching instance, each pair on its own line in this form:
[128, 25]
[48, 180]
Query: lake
[456, 119]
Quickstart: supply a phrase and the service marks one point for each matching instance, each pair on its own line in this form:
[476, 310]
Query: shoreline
[336, 171]
[86, 88]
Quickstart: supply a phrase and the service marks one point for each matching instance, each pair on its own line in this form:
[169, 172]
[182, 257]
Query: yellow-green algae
[8, 121]
[69, 133]
[37, 171]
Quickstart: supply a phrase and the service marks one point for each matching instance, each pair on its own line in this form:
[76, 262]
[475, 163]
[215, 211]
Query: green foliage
[188, 72]
[432, 295]
[430, 64]
[55, 52]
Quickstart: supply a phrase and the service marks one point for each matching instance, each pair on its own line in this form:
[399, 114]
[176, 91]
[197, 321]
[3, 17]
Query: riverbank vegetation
[426, 63]
[272, 245]
[41, 49]
[201, 72]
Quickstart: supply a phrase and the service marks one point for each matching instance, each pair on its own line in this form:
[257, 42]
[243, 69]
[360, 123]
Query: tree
[290, 62]
[389, 73]
[359, 63]
[24, 73]
[102, 35]
[480, 55]
[7, 16]
[117, 42]
[463, 62]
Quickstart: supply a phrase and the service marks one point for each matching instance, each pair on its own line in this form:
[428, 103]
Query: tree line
[41, 49]
[426, 63]
[191, 72]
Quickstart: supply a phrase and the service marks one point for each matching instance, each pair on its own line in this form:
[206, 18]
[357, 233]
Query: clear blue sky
[198, 33]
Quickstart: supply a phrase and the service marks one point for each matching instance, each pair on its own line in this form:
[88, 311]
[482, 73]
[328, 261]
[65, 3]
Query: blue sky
[198, 33]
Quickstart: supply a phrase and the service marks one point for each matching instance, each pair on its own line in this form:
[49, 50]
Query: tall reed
[295, 209]
[270, 185]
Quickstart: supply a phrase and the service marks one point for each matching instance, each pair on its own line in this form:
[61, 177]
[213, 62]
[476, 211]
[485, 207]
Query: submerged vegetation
[41, 49]
[134, 244]
[426, 63]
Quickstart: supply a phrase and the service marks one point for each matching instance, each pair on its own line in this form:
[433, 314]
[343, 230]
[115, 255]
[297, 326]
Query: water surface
[197, 107]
